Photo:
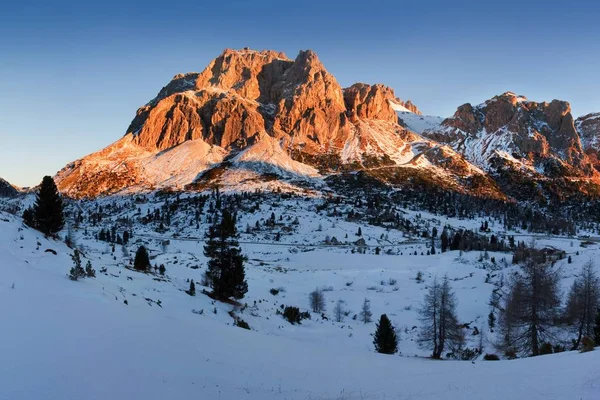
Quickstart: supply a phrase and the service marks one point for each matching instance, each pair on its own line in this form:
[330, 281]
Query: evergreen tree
[48, 208]
[192, 290]
[225, 271]
[76, 271]
[142, 260]
[444, 240]
[89, 271]
[29, 217]
[125, 237]
[385, 339]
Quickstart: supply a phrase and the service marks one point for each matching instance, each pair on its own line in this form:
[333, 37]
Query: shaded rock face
[542, 134]
[7, 190]
[588, 127]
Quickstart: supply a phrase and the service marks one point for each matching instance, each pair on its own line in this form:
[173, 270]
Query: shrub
[546, 348]
[242, 324]
[292, 314]
[274, 291]
[491, 357]
[559, 348]
[511, 354]
[587, 344]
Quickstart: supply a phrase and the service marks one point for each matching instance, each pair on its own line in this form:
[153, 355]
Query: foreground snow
[74, 340]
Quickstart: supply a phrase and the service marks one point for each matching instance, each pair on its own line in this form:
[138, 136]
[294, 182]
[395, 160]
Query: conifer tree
[142, 260]
[48, 208]
[192, 290]
[225, 271]
[385, 339]
[76, 271]
[89, 271]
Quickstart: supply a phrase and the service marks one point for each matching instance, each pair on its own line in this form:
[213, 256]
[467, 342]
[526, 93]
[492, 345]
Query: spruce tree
[76, 271]
[385, 339]
[89, 271]
[48, 208]
[142, 260]
[225, 271]
[192, 290]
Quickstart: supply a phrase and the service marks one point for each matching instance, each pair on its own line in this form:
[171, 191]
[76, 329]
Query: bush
[587, 344]
[510, 354]
[559, 348]
[293, 315]
[546, 348]
[491, 357]
[466, 354]
[242, 324]
[274, 291]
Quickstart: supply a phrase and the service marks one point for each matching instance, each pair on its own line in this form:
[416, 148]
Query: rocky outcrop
[588, 127]
[538, 135]
[370, 102]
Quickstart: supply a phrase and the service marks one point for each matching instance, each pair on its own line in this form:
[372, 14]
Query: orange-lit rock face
[245, 92]
[535, 132]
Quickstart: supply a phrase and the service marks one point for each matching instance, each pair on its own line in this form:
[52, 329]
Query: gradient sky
[73, 74]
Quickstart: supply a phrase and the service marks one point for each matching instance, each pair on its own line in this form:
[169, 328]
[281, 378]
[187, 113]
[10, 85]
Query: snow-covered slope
[418, 123]
[65, 339]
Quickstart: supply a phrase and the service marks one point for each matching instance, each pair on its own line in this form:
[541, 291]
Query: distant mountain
[257, 120]
[7, 190]
[253, 115]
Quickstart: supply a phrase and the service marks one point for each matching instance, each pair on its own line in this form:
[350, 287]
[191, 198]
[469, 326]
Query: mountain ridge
[270, 117]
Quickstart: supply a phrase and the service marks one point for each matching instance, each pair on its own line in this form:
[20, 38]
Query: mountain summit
[259, 120]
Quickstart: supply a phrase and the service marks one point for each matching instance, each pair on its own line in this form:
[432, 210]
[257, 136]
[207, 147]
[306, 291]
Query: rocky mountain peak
[542, 135]
[370, 102]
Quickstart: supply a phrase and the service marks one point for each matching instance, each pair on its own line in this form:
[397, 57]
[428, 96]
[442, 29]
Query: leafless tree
[530, 307]
[338, 311]
[439, 326]
[317, 300]
[582, 302]
[365, 312]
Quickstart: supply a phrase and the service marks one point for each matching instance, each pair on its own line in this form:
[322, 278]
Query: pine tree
[48, 208]
[76, 271]
[444, 240]
[226, 262]
[385, 339]
[89, 271]
[192, 290]
[142, 260]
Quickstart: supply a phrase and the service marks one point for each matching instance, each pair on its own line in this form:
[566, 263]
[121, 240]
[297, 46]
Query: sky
[72, 74]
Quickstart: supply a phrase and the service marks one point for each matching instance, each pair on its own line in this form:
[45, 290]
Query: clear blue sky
[72, 74]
